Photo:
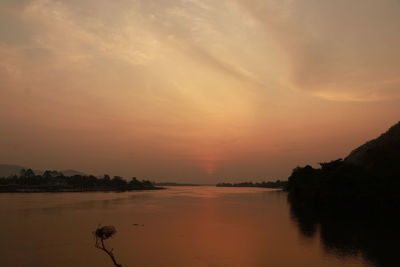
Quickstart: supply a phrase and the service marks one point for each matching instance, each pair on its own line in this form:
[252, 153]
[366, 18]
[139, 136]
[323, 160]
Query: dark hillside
[369, 177]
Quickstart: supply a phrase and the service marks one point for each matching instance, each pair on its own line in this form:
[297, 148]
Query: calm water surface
[183, 226]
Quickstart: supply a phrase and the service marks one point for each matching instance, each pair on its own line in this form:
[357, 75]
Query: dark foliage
[276, 184]
[369, 178]
[175, 184]
[339, 183]
[28, 181]
[101, 234]
[353, 204]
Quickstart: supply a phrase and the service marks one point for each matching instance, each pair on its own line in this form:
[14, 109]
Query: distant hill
[10, 169]
[72, 172]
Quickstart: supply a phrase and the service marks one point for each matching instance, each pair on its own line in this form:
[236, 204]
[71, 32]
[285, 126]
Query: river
[178, 226]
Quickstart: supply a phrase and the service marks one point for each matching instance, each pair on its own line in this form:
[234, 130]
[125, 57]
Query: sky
[199, 91]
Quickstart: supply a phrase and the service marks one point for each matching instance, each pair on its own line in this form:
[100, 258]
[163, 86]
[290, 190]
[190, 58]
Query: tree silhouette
[101, 234]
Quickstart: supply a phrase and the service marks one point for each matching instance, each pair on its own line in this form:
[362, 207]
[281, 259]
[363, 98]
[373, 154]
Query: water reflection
[375, 237]
[183, 226]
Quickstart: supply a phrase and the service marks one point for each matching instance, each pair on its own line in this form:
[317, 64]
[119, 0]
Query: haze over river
[179, 226]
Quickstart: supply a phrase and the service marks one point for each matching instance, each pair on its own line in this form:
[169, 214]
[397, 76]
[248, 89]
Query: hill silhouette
[10, 169]
[13, 169]
[352, 205]
[379, 155]
[368, 177]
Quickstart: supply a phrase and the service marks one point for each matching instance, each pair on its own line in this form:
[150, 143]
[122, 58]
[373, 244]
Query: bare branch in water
[101, 234]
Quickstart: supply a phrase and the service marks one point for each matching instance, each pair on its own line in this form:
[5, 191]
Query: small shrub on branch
[101, 234]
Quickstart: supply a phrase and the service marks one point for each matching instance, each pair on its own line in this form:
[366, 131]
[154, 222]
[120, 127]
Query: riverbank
[63, 189]
[54, 181]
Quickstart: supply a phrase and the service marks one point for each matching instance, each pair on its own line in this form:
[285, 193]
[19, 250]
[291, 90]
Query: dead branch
[101, 234]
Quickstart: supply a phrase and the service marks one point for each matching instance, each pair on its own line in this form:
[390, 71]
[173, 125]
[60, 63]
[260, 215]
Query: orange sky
[194, 91]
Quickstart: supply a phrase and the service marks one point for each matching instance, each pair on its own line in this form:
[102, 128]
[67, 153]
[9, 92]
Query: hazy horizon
[194, 91]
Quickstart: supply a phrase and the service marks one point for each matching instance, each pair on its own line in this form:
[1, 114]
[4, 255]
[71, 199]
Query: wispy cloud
[341, 50]
[212, 80]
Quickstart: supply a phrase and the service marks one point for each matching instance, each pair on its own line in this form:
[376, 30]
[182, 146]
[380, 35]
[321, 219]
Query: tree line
[339, 183]
[275, 184]
[57, 181]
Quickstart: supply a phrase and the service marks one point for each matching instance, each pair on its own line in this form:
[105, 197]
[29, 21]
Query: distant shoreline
[70, 190]
[178, 184]
[54, 182]
[278, 184]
